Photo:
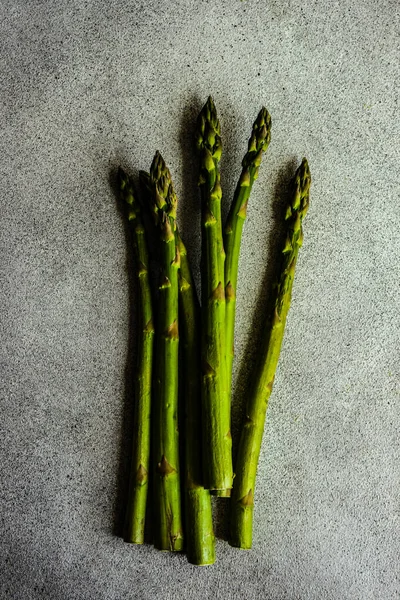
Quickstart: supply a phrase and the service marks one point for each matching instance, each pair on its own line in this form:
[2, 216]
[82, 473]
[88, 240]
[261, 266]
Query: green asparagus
[250, 441]
[167, 501]
[258, 143]
[138, 486]
[217, 441]
[200, 541]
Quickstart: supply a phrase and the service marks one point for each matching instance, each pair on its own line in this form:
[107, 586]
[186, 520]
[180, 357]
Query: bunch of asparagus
[185, 351]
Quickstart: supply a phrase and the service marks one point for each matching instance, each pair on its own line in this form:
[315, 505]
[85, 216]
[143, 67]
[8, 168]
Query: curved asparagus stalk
[138, 486]
[200, 540]
[167, 502]
[258, 143]
[250, 441]
[217, 441]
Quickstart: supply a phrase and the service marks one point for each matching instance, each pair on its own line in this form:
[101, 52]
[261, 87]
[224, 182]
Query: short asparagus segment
[200, 541]
[251, 437]
[138, 486]
[258, 143]
[167, 495]
[217, 441]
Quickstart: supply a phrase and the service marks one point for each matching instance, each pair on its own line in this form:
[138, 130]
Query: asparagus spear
[167, 503]
[138, 487]
[258, 143]
[200, 541]
[250, 441]
[217, 441]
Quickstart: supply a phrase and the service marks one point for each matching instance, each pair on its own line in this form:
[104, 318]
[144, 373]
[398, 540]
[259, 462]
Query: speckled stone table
[87, 85]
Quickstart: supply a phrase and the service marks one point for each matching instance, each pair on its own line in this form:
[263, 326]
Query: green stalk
[217, 441]
[167, 501]
[138, 485]
[251, 437]
[258, 143]
[200, 540]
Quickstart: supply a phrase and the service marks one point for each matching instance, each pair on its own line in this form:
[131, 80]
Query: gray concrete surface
[86, 85]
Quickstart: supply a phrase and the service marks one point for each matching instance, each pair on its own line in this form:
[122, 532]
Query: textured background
[91, 84]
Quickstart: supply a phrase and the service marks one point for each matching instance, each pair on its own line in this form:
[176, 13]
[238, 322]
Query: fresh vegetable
[252, 432]
[200, 540]
[185, 351]
[168, 530]
[258, 144]
[217, 440]
[139, 478]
